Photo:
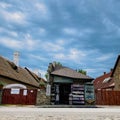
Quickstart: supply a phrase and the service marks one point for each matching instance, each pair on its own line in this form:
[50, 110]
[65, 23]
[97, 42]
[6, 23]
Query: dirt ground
[36, 113]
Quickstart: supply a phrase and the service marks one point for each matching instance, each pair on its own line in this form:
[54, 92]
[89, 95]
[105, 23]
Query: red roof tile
[104, 81]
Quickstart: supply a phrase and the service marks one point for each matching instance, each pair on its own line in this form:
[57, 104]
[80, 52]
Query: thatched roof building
[10, 72]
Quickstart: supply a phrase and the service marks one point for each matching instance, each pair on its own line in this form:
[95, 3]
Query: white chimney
[16, 58]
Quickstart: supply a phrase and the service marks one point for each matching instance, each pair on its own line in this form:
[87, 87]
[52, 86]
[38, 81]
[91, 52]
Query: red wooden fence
[25, 97]
[104, 97]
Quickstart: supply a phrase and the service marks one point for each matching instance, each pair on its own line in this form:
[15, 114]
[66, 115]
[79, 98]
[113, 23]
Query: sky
[80, 34]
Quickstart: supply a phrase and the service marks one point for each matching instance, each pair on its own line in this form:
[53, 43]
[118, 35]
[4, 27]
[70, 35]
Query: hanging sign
[48, 90]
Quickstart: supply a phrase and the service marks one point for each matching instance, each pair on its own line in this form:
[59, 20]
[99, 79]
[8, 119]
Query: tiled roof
[70, 73]
[10, 70]
[104, 81]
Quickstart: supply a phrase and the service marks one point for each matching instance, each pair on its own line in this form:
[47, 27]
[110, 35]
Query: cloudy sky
[81, 34]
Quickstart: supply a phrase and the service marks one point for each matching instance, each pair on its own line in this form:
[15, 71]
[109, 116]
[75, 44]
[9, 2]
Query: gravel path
[34, 113]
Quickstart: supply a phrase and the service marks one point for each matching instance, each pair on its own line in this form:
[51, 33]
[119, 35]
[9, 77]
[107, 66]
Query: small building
[68, 86]
[17, 85]
[116, 74]
[111, 80]
[107, 86]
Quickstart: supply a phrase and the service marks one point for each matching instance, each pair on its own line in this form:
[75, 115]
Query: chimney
[104, 73]
[16, 58]
[111, 69]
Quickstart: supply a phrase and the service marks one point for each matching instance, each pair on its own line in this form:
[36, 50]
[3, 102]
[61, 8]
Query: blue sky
[81, 34]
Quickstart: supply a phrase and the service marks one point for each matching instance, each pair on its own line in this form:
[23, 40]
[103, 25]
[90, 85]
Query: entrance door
[65, 90]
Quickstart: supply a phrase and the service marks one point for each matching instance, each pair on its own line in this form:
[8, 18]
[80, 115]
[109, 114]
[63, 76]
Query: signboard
[62, 80]
[24, 92]
[89, 93]
[48, 90]
[15, 91]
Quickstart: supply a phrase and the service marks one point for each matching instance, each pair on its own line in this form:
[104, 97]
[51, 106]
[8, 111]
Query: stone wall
[116, 76]
[42, 99]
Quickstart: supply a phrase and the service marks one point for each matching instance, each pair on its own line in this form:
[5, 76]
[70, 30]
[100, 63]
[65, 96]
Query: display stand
[77, 95]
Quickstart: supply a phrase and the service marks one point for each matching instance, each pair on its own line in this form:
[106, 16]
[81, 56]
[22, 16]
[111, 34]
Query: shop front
[67, 86]
[66, 91]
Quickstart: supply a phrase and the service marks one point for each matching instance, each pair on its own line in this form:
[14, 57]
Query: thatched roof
[10, 70]
[70, 73]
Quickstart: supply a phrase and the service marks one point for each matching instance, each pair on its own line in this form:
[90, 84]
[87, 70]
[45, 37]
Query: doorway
[65, 90]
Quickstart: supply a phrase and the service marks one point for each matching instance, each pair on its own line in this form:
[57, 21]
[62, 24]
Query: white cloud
[26, 43]
[38, 57]
[42, 11]
[42, 31]
[30, 44]
[109, 24]
[41, 7]
[75, 32]
[15, 17]
[76, 54]
[60, 56]
[104, 57]
[87, 31]
[43, 72]
[73, 55]
[9, 32]
[10, 43]
[13, 33]
[5, 5]
[53, 47]
[90, 70]
[39, 72]
[70, 31]
[60, 41]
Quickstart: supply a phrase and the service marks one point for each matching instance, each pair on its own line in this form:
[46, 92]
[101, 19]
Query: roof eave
[20, 81]
[115, 65]
[74, 77]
